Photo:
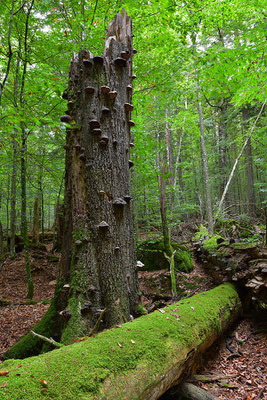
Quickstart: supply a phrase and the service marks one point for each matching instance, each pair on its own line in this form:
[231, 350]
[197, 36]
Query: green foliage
[151, 253]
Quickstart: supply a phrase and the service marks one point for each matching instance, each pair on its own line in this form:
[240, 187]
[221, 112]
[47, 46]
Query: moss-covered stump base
[151, 254]
[139, 360]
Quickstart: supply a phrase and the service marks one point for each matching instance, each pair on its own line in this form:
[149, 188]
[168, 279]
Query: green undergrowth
[151, 253]
[141, 348]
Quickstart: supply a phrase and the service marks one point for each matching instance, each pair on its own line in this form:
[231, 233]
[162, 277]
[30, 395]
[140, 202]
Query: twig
[95, 328]
[211, 378]
[261, 392]
[50, 341]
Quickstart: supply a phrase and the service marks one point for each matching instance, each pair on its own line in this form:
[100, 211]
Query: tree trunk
[59, 227]
[140, 360]
[204, 158]
[13, 199]
[1, 240]
[36, 222]
[163, 211]
[249, 167]
[24, 213]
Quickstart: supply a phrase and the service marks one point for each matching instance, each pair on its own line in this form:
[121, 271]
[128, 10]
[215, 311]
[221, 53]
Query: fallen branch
[45, 339]
[192, 392]
[211, 378]
[95, 328]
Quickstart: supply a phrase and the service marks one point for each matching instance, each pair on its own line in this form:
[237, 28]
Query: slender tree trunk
[7, 206]
[13, 199]
[163, 211]
[249, 167]
[24, 212]
[204, 158]
[1, 240]
[36, 222]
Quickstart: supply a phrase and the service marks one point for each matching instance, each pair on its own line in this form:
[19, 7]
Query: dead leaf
[192, 308]
[120, 345]
[4, 385]
[19, 365]
[43, 382]
[4, 373]
[132, 341]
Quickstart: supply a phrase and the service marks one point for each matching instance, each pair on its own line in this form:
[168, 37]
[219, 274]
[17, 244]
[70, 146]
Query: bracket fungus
[128, 107]
[82, 157]
[103, 225]
[96, 131]
[112, 95]
[94, 123]
[127, 198]
[125, 55]
[87, 62]
[131, 164]
[98, 60]
[105, 110]
[119, 202]
[104, 140]
[120, 62]
[105, 89]
[131, 144]
[131, 123]
[89, 89]
[66, 118]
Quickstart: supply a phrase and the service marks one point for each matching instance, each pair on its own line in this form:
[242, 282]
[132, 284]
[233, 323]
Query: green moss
[141, 310]
[4, 303]
[210, 244]
[135, 354]
[75, 327]
[151, 253]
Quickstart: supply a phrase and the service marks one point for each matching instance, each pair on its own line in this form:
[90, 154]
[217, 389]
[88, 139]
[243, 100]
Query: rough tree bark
[98, 265]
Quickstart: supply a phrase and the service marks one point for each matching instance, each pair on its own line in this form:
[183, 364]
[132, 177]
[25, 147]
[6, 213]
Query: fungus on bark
[125, 55]
[131, 164]
[112, 95]
[119, 202]
[129, 88]
[105, 110]
[98, 60]
[120, 62]
[87, 62]
[94, 123]
[133, 76]
[128, 107]
[105, 89]
[66, 147]
[131, 123]
[103, 140]
[127, 198]
[89, 89]
[96, 131]
[134, 51]
[66, 118]
[131, 144]
[103, 225]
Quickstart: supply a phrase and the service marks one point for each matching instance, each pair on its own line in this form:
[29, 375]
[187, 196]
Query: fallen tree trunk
[138, 360]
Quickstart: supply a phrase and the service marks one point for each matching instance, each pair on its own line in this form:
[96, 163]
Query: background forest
[199, 97]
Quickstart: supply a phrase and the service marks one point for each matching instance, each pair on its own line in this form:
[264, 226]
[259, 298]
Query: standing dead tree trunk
[98, 260]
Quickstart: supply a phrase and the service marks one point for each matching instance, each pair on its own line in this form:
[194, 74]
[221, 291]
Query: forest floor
[247, 365]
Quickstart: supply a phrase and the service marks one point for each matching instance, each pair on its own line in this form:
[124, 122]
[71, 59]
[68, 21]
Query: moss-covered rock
[151, 253]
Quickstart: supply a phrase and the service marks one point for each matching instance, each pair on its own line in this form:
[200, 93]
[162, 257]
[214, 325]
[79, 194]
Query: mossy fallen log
[138, 360]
